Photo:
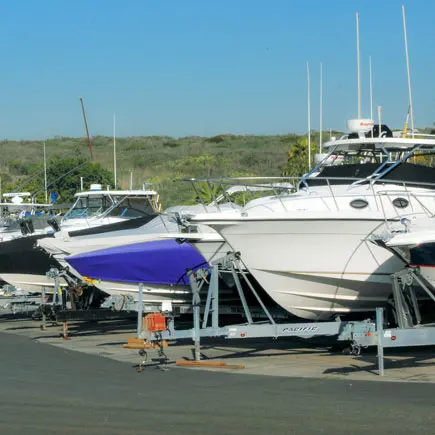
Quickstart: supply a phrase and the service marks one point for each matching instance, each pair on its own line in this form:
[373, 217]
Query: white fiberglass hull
[316, 268]
[154, 294]
[210, 245]
[211, 250]
[31, 283]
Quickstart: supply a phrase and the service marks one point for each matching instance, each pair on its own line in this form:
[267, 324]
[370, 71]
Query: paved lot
[49, 390]
[284, 357]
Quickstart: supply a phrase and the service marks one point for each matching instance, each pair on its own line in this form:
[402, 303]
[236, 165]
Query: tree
[64, 177]
[207, 193]
[297, 163]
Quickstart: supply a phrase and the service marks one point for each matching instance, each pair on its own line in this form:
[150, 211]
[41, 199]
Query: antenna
[358, 65]
[380, 120]
[321, 106]
[371, 87]
[114, 148]
[45, 175]
[86, 126]
[309, 116]
[411, 110]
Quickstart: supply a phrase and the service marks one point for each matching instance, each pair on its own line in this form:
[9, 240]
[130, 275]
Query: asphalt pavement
[50, 390]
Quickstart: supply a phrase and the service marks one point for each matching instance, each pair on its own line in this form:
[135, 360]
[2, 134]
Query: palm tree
[297, 163]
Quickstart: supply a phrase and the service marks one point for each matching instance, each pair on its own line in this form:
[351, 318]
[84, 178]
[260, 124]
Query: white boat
[413, 241]
[98, 207]
[20, 215]
[26, 268]
[163, 227]
[310, 250]
[170, 224]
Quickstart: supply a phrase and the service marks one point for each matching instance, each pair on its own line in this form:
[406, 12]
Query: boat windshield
[127, 207]
[131, 207]
[89, 206]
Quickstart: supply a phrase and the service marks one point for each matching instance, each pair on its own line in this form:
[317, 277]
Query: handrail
[232, 181]
[378, 189]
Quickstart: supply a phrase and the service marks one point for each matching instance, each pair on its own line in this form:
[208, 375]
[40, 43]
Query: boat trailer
[408, 331]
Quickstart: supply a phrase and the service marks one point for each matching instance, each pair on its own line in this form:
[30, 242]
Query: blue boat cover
[154, 262]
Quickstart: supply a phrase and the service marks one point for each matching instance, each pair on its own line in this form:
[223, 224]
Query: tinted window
[359, 203]
[400, 202]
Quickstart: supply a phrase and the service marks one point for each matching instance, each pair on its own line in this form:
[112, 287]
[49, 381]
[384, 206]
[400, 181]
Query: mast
[358, 65]
[321, 106]
[380, 120]
[114, 149]
[86, 127]
[371, 87]
[45, 176]
[309, 116]
[411, 109]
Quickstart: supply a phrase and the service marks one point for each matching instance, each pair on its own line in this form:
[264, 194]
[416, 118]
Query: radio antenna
[411, 110]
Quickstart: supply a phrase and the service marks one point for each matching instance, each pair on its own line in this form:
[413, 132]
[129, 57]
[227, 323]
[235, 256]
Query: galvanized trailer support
[44, 315]
[231, 264]
[409, 331]
[359, 334]
[16, 302]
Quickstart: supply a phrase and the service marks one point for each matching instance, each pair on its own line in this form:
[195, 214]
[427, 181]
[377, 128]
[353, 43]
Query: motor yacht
[310, 249]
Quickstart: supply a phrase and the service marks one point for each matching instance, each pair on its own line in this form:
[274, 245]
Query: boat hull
[316, 268]
[25, 267]
[32, 283]
[211, 250]
[152, 294]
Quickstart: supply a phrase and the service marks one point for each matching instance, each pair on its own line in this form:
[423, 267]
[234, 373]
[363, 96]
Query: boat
[20, 215]
[142, 239]
[93, 212]
[159, 265]
[413, 242]
[169, 225]
[310, 250]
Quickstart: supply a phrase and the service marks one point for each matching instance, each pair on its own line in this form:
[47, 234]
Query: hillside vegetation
[156, 160]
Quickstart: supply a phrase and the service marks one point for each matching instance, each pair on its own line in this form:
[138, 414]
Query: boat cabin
[112, 204]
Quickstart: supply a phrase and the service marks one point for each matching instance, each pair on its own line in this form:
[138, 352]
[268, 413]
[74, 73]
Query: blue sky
[202, 67]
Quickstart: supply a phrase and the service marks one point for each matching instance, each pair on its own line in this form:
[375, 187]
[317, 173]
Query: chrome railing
[281, 187]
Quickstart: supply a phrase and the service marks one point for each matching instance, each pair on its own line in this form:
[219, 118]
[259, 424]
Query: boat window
[423, 255]
[131, 208]
[400, 202]
[359, 203]
[86, 207]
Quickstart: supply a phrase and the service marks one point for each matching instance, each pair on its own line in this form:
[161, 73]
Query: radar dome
[360, 125]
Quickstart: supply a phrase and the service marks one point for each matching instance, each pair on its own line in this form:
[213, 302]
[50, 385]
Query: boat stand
[410, 331]
[210, 327]
[359, 334]
[48, 310]
[25, 304]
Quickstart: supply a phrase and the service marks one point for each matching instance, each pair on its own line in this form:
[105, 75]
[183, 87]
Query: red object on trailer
[155, 322]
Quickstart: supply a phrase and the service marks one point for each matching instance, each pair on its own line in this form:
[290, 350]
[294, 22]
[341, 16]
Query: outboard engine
[26, 226]
[54, 224]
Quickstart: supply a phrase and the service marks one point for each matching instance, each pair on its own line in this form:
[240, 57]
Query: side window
[400, 202]
[359, 203]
